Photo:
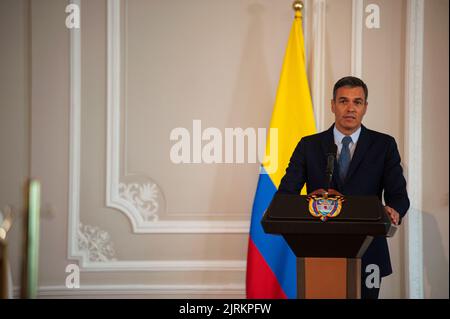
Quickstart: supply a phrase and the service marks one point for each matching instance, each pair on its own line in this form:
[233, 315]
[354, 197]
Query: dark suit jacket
[374, 168]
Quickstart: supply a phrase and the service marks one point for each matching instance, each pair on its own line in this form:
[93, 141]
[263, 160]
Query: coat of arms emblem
[325, 206]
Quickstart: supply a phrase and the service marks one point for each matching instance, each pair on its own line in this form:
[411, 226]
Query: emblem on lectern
[325, 206]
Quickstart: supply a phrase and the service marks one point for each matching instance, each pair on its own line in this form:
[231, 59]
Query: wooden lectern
[328, 252]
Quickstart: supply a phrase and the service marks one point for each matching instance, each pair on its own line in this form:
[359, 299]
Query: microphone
[331, 155]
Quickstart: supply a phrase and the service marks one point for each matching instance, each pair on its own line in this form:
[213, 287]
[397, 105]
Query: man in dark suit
[368, 163]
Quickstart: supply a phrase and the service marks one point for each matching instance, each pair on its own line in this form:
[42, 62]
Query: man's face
[349, 108]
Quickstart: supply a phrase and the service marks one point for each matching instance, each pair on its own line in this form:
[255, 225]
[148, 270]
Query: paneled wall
[90, 112]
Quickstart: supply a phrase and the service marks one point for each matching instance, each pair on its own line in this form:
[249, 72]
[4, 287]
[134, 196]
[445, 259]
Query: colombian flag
[271, 265]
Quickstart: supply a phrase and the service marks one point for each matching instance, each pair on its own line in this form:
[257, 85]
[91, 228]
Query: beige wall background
[214, 61]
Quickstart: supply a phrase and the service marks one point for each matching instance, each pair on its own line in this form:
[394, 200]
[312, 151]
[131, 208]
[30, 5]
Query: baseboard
[140, 291]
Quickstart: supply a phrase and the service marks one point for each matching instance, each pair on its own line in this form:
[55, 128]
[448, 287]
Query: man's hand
[321, 191]
[393, 215]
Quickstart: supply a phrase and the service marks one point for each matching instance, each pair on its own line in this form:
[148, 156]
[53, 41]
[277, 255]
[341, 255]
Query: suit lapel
[327, 140]
[362, 146]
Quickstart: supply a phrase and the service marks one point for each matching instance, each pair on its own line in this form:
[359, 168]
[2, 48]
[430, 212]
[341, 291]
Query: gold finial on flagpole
[297, 5]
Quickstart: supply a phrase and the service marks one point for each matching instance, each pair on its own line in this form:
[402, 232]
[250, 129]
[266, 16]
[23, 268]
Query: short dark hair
[352, 82]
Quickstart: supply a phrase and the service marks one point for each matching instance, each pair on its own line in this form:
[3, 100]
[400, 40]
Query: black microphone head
[331, 155]
[332, 150]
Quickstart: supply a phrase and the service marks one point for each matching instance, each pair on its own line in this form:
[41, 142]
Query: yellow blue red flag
[271, 265]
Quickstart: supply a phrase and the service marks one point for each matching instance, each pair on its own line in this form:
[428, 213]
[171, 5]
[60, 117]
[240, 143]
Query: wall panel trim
[413, 146]
[74, 140]
[357, 36]
[318, 74]
[113, 197]
[113, 99]
[155, 291]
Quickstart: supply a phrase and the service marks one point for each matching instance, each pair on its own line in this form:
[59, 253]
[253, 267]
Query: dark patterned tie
[344, 158]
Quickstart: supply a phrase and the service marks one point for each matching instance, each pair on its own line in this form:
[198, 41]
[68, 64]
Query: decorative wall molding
[74, 141]
[75, 252]
[306, 32]
[95, 243]
[155, 291]
[143, 197]
[318, 64]
[357, 36]
[113, 197]
[163, 265]
[413, 145]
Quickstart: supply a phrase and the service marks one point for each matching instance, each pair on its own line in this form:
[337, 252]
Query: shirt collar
[338, 136]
